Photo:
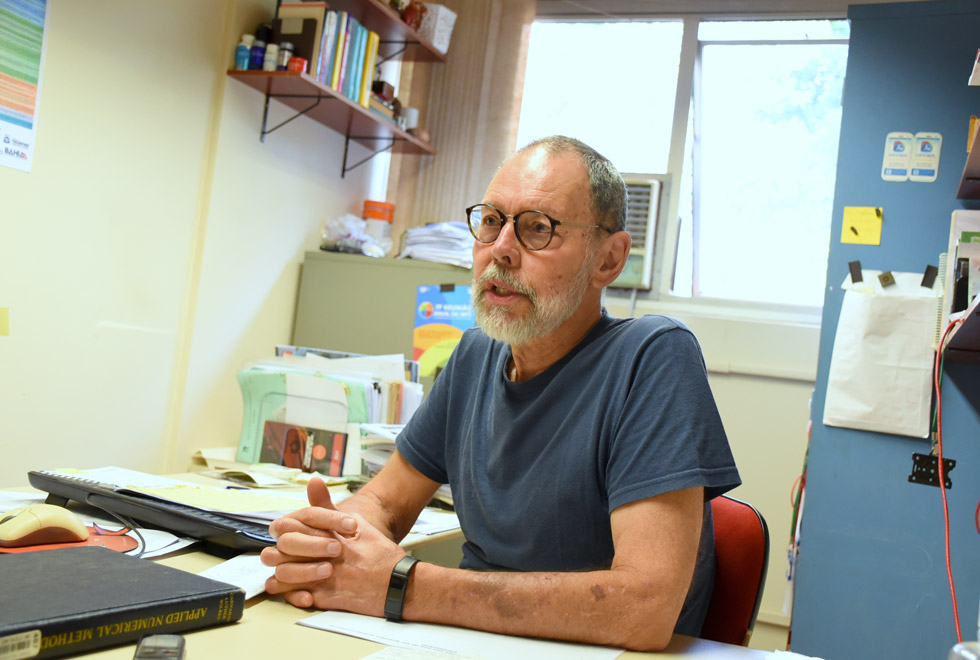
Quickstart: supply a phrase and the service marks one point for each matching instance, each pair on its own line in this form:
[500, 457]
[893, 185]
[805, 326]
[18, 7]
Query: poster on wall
[22, 24]
[441, 315]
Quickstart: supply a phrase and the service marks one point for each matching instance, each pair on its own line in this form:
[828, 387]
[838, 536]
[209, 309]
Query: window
[752, 216]
[610, 85]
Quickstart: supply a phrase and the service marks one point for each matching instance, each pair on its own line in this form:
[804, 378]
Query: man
[582, 450]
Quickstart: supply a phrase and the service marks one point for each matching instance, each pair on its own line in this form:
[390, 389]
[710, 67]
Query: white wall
[153, 221]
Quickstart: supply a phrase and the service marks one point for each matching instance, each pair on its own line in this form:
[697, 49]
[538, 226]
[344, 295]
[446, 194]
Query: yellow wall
[156, 245]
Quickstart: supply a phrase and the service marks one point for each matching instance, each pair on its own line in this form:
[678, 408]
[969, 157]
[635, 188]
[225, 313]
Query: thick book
[76, 600]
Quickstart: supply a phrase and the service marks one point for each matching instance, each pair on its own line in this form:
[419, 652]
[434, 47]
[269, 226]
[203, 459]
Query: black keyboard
[213, 528]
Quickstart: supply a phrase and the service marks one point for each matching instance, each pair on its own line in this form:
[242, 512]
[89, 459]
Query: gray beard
[544, 317]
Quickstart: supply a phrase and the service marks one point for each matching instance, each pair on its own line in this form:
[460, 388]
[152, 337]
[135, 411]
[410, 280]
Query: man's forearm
[616, 607]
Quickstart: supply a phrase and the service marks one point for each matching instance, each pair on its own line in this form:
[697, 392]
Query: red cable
[942, 479]
[976, 518]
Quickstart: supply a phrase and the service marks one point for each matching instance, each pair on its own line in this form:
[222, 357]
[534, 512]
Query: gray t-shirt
[536, 467]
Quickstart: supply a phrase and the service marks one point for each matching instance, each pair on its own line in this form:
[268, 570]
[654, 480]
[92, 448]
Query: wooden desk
[268, 629]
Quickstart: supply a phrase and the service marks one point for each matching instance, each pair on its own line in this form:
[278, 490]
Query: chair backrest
[741, 555]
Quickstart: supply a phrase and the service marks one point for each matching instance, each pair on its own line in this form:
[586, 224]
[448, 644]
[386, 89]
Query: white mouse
[39, 524]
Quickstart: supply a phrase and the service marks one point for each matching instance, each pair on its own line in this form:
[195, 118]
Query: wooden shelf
[378, 16]
[299, 91]
[319, 102]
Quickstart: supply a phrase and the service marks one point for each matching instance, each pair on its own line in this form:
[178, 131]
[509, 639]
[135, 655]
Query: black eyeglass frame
[517, 232]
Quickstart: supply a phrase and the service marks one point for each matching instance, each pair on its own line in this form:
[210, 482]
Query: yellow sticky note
[862, 224]
[4, 322]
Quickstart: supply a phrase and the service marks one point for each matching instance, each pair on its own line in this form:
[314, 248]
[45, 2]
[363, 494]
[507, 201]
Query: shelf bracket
[265, 110]
[344, 169]
[404, 46]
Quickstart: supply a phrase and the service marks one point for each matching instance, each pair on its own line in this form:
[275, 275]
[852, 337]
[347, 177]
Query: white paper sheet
[246, 571]
[448, 639]
[881, 368]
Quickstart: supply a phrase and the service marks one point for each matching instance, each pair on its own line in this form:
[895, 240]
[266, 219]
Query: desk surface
[268, 629]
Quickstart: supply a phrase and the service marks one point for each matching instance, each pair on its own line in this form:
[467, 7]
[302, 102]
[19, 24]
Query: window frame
[697, 105]
[659, 299]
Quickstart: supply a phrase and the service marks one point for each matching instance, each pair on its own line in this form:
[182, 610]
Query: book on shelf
[370, 57]
[344, 46]
[382, 108]
[353, 65]
[287, 26]
[343, 18]
[328, 42]
[76, 600]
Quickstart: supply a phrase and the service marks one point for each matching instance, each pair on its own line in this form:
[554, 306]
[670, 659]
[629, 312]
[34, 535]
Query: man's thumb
[316, 491]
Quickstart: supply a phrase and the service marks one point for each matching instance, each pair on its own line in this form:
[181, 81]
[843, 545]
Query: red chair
[741, 555]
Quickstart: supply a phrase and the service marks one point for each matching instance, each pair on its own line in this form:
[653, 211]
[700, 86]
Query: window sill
[751, 339]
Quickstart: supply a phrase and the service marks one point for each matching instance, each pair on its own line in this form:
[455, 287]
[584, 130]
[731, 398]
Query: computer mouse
[39, 524]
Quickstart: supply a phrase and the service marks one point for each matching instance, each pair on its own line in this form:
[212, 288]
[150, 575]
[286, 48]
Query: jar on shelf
[378, 217]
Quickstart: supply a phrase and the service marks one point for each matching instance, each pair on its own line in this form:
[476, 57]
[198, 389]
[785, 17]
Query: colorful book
[71, 601]
[353, 62]
[344, 52]
[342, 19]
[327, 44]
[370, 58]
[309, 449]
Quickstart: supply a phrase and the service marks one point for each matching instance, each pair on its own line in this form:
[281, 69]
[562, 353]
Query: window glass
[611, 85]
[767, 127]
[772, 30]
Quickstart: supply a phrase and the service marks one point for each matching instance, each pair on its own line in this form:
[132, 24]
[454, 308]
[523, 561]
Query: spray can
[271, 55]
[243, 52]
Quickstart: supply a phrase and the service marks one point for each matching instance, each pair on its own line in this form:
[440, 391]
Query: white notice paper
[448, 639]
[246, 571]
[881, 368]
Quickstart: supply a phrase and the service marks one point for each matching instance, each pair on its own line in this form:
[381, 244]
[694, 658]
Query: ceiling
[558, 8]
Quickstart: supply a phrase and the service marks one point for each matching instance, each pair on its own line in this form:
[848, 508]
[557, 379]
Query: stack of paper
[445, 242]
[304, 411]
[377, 446]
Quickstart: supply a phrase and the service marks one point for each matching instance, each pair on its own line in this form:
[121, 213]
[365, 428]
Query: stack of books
[342, 53]
[379, 106]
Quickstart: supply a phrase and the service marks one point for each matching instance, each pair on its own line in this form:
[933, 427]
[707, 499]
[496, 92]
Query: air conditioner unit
[642, 212]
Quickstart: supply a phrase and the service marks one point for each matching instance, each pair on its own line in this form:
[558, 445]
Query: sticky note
[862, 225]
[4, 322]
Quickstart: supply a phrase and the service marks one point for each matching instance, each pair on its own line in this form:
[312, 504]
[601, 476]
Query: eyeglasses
[534, 229]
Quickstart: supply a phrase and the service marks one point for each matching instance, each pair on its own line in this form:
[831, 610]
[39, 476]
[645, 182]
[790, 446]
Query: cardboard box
[437, 26]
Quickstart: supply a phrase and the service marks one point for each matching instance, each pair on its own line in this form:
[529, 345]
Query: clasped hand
[329, 559]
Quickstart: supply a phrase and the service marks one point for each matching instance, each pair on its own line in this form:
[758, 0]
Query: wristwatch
[397, 586]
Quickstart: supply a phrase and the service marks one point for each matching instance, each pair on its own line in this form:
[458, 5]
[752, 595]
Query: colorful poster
[441, 315]
[21, 61]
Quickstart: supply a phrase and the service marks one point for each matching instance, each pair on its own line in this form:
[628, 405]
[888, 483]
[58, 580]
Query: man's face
[519, 294]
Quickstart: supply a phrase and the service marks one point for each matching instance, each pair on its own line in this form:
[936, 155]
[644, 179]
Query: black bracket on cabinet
[344, 169]
[265, 111]
[404, 46]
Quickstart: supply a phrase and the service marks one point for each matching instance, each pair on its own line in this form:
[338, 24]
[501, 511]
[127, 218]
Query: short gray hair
[607, 190]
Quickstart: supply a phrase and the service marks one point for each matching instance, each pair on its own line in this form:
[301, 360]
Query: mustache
[495, 272]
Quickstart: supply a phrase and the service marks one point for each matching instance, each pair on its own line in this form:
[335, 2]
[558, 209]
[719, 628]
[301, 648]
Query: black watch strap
[397, 586]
